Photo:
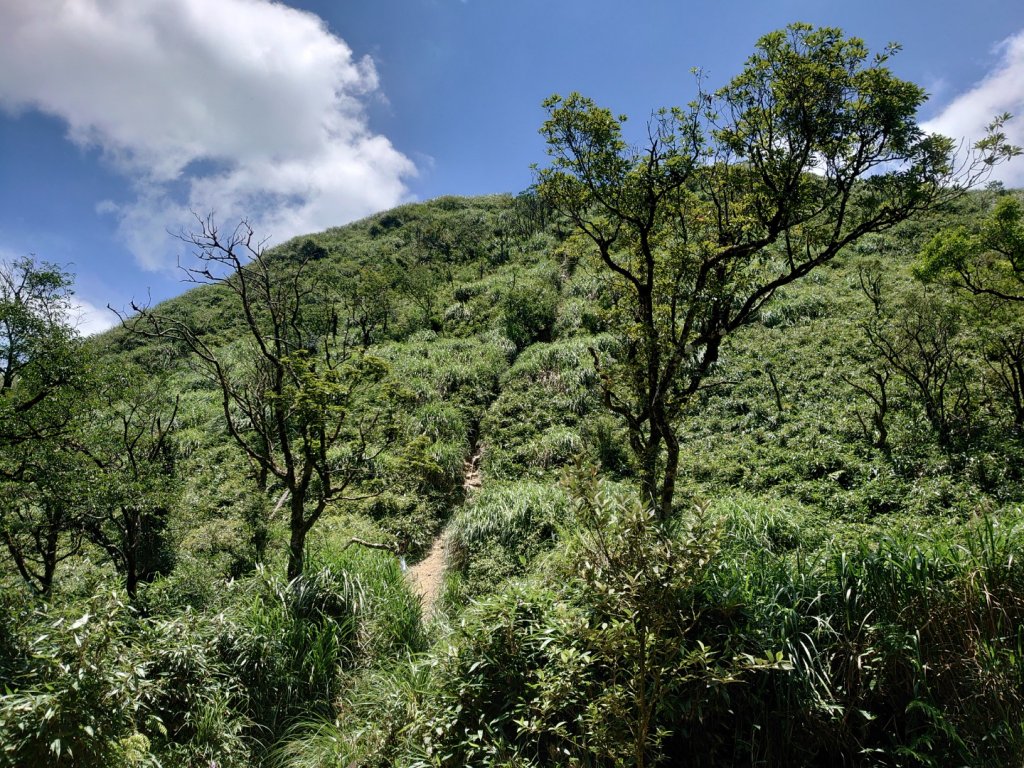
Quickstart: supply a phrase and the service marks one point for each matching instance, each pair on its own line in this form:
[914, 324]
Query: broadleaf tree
[42, 515]
[38, 352]
[814, 145]
[43, 377]
[986, 262]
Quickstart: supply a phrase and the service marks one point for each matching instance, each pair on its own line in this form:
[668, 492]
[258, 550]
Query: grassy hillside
[841, 583]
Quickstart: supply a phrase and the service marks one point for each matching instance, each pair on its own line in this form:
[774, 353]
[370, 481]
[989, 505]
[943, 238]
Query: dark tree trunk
[668, 487]
[49, 562]
[132, 531]
[649, 485]
[297, 539]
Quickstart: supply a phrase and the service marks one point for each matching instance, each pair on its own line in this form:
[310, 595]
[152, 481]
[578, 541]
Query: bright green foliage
[986, 259]
[38, 363]
[196, 687]
[43, 515]
[81, 689]
[587, 665]
[539, 635]
[839, 582]
[286, 644]
[43, 379]
[289, 397]
[199, 701]
[638, 646]
[813, 146]
[501, 530]
[547, 403]
[390, 616]
[131, 468]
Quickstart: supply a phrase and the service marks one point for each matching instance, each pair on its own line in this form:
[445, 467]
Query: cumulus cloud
[1002, 90]
[245, 107]
[88, 319]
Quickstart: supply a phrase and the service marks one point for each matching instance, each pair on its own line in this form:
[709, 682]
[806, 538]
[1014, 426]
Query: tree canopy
[814, 145]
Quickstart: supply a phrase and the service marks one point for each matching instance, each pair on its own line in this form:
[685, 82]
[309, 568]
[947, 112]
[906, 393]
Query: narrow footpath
[427, 575]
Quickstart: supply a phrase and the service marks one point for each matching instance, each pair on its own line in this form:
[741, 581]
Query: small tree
[42, 379]
[299, 396]
[811, 147]
[41, 518]
[922, 342]
[987, 260]
[133, 475]
[38, 352]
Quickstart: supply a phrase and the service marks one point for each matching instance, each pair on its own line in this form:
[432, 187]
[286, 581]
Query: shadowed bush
[287, 644]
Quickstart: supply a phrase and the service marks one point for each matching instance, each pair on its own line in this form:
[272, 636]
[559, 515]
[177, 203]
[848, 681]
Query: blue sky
[118, 116]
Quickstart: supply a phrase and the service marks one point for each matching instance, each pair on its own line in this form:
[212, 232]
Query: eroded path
[427, 575]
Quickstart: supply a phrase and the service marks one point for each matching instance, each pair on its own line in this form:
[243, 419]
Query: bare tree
[301, 398]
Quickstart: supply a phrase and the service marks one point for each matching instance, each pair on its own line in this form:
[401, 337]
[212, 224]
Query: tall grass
[287, 644]
[775, 647]
[390, 618]
[548, 399]
[504, 526]
[372, 727]
[904, 651]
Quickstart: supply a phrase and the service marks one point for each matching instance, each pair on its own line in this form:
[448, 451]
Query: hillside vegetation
[838, 578]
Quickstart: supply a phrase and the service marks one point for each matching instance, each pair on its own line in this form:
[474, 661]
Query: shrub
[85, 691]
[529, 309]
[594, 665]
[389, 616]
[198, 699]
[503, 527]
[286, 643]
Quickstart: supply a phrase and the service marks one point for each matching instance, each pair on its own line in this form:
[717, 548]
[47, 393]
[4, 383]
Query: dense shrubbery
[840, 583]
[185, 688]
[733, 640]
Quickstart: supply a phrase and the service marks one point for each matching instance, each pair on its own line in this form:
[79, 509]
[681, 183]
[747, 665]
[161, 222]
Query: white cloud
[88, 319]
[1002, 90]
[246, 107]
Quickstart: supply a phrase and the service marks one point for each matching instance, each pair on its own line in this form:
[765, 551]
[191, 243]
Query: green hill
[705, 451]
[825, 594]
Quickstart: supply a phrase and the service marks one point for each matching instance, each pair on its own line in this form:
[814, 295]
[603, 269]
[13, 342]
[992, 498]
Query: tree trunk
[649, 490]
[131, 577]
[668, 487]
[297, 539]
[133, 525]
[49, 561]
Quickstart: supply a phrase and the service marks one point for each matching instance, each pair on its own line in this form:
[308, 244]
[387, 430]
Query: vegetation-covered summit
[207, 513]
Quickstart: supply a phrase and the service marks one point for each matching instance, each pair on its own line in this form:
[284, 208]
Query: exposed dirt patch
[471, 470]
[427, 575]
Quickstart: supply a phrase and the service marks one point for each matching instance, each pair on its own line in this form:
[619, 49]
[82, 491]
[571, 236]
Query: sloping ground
[427, 575]
[471, 471]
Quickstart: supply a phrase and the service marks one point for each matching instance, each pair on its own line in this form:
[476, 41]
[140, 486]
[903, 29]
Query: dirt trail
[471, 471]
[427, 575]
